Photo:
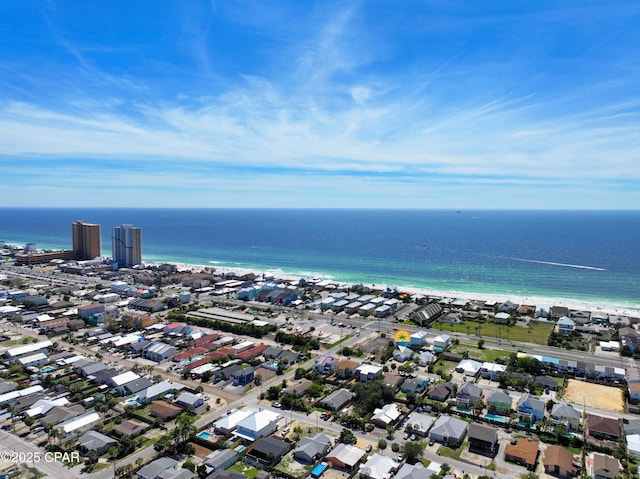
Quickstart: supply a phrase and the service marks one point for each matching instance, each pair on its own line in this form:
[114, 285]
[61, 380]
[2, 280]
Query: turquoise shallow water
[586, 256]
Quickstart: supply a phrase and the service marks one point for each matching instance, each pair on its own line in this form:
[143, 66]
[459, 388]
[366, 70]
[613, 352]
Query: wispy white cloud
[346, 118]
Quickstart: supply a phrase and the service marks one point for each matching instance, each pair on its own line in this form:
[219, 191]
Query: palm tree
[48, 427]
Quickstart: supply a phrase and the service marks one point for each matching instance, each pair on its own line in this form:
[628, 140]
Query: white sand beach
[604, 308]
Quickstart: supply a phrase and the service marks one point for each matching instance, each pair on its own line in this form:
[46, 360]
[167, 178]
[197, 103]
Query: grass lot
[485, 354]
[537, 333]
[248, 471]
[445, 451]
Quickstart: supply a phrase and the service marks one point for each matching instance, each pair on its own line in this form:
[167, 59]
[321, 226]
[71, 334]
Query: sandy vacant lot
[594, 395]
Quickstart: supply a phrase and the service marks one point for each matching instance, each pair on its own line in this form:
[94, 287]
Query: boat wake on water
[552, 263]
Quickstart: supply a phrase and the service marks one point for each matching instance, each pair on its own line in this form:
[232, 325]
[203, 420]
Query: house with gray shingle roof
[336, 399]
[468, 395]
[531, 407]
[96, 442]
[448, 430]
[221, 459]
[566, 414]
[416, 471]
[153, 469]
[499, 402]
[310, 449]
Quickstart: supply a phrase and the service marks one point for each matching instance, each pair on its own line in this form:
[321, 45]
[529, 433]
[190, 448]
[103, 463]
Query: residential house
[524, 452]
[230, 474]
[507, 307]
[441, 343]
[187, 399]
[416, 471]
[558, 312]
[566, 325]
[606, 428]
[629, 337]
[90, 369]
[155, 391]
[530, 409]
[558, 461]
[269, 450]
[469, 367]
[419, 338]
[345, 457]
[325, 364]
[336, 400]
[633, 445]
[419, 423]
[492, 371]
[80, 424]
[566, 414]
[221, 459]
[298, 389]
[310, 449]
[259, 424]
[413, 386]
[130, 428]
[425, 358]
[440, 392]
[134, 387]
[155, 468]
[499, 402]
[60, 414]
[386, 415]
[94, 441]
[346, 368]
[403, 354]
[227, 424]
[368, 372]
[448, 430]
[244, 376]
[502, 318]
[378, 467]
[602, 466]
[546, 382]
[483, 439]
[164, 410]
[468, 395]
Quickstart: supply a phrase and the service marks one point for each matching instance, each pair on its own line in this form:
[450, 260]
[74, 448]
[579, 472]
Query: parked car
[369, 448]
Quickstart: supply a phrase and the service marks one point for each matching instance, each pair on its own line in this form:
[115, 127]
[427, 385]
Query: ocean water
[581, 255]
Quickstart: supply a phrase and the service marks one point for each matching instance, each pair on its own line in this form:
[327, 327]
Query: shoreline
[574, 304]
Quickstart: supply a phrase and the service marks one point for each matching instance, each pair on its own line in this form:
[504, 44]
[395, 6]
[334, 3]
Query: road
[9, 442]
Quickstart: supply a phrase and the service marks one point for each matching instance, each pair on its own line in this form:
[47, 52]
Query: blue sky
[411, 104]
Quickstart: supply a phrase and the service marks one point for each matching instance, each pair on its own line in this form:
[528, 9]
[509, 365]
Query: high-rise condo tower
[126, 242]
[86, 240]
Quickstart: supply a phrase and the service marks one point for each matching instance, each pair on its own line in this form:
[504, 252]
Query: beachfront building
[86, 240]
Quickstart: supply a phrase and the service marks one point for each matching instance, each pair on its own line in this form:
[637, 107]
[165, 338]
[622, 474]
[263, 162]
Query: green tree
[382, 444]
[390, 431]
[412, 451]
[347, 436]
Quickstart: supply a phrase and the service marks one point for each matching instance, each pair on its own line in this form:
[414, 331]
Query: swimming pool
[48, 369]
[240, 448]
[204, 435]
[319, 469]
[496, 418]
